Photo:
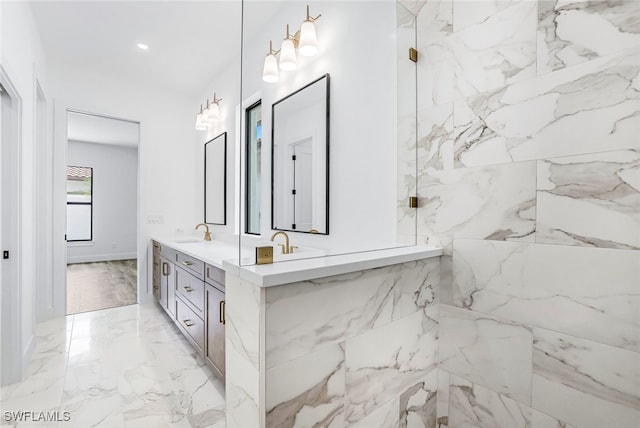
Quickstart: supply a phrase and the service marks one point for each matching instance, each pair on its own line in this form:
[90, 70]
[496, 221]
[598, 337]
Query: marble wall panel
[308, 391]
[496, 202]
[418, 404]
[304, 317]
[489, 351]
[381, 363]
[587, 292]
[384, 416]
[473, 406]
[575, 190]
[573, 32]
[242, 348]
[585, 383]
[588, 108]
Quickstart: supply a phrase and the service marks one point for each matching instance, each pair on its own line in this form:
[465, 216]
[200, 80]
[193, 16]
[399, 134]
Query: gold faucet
[207, 234]
[286, 248]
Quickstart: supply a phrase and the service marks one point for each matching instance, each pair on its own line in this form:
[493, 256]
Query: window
[79, 203]
[252, 158]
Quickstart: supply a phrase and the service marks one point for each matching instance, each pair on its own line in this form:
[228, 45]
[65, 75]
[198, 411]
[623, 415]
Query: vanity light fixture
[288, 53]
[209, 114]
[270, 72]
[143, 47]
[200, 121]
[308, 41]
[305, 40]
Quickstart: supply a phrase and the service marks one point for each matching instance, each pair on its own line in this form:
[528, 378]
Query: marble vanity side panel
[573, 32]
[384, 416]
[586, 292]
[418, 403]
[585, 383]
[489, 351]
[382, 363]
[495, 202]
[442, 408]
[306, 316]
[242, 341]
[573, 191]
[406, 129]
[588, 108]
[417, 289]
[308, 391]
[473, 406]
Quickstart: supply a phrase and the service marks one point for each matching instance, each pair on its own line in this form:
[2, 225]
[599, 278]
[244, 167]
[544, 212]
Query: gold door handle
[187, 263]
[188, 323]
[222, 312]
[155, 287]
[165, 268]
[187, 289]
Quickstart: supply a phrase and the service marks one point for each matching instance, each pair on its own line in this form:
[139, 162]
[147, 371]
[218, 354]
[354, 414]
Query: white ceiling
[189, 41]
[90, 128]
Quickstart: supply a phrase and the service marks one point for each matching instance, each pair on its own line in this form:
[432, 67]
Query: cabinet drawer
[192, 264]
[213, 274]
[190, 323]
[168, 252]
[191, 288]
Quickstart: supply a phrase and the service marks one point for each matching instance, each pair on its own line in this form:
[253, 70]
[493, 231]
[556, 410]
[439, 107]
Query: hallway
[120, 367]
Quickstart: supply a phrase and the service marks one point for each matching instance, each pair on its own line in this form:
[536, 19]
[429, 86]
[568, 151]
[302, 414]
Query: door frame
[12, 362]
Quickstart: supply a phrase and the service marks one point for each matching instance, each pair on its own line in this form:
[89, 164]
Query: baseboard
[101, 258]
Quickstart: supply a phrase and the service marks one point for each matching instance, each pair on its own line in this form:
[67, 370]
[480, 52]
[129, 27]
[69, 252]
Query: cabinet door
[214, 347]
[171, 289]
[157, 272]
[167, 282]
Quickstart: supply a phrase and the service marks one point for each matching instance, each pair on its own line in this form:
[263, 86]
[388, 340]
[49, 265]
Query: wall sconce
[209, 114]
[305, 40]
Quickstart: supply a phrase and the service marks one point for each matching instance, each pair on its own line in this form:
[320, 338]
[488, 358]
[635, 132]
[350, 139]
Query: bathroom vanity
[334, 340]
[192, 292]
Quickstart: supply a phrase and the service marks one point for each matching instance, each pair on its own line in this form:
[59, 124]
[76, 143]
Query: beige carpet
[100, 285]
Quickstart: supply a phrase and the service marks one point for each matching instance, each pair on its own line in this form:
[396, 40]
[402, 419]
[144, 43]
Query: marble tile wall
[528, 152]
[354, 350]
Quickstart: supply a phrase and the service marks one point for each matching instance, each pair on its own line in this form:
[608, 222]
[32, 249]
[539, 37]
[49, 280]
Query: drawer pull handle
[187, 289]
[187, 263]
[165, 268]
[155, 287]
[223, 306]
[188, 323]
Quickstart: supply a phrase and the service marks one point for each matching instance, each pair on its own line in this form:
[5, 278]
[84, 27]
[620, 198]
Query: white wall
[23, 61]
[357, 48]
[115, 188]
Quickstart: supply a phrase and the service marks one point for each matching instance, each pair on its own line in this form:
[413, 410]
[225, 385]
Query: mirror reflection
[215, 180]
[299, 161]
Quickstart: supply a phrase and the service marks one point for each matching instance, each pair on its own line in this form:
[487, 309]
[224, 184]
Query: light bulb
[214, 111]
[287, 55]
[200, 124]
[270, 72]
[308, 45]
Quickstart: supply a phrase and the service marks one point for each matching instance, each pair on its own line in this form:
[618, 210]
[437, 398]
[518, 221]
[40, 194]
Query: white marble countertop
[306, 269]
[225, 255]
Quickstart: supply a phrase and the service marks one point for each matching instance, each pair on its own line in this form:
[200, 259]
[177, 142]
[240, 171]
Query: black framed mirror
[300, 160]
[215, 180]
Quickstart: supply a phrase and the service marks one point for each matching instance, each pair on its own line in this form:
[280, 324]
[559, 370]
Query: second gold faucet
[286, 248]
[207, 234]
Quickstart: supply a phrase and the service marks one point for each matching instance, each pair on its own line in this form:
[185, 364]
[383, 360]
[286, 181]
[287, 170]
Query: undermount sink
[299, 253]
[186, 240]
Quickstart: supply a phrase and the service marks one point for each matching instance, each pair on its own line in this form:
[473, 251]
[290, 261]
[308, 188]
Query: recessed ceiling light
[143, 47]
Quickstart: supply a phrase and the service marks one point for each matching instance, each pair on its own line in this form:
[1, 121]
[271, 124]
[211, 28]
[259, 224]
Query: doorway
[101, 198]
[11, 345]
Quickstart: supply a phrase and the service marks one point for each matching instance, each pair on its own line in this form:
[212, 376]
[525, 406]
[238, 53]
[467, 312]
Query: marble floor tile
[573, 32]
[101, 285]
[124, 367]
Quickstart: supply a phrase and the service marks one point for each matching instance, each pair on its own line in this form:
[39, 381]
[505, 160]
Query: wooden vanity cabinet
[192, 293]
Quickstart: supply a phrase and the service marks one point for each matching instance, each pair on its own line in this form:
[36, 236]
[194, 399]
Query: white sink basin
[186, 240]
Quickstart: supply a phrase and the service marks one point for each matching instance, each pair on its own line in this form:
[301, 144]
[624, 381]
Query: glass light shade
[270, 73]
[308, 45]
[200, 125]
[214, 111]
[288, 55]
